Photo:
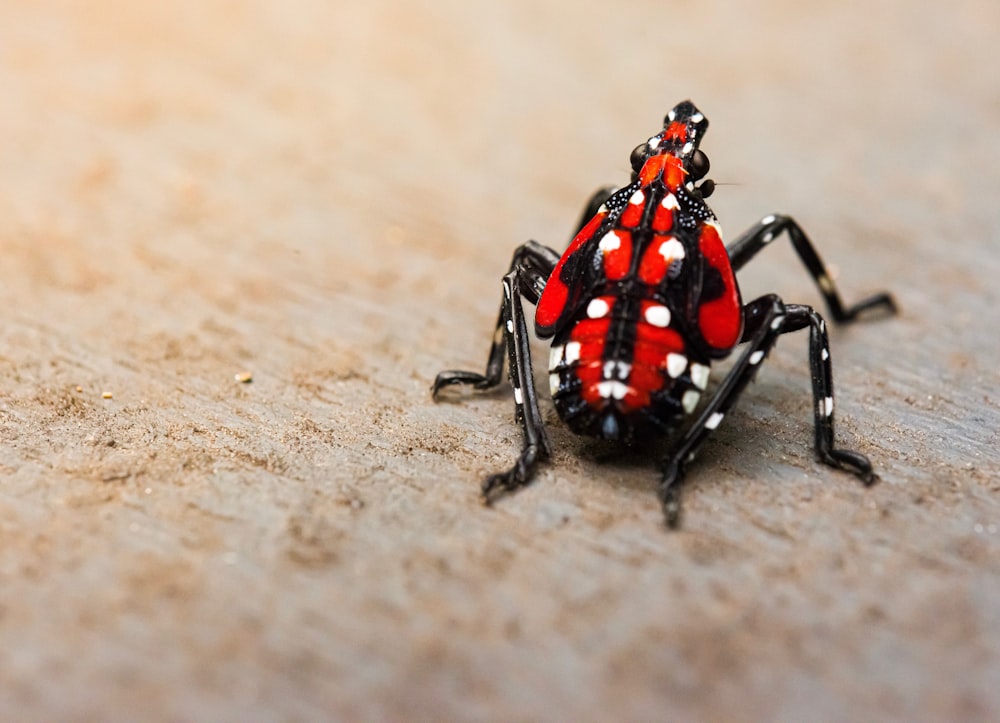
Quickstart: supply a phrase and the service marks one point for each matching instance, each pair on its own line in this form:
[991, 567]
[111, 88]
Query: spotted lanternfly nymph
[638, 307]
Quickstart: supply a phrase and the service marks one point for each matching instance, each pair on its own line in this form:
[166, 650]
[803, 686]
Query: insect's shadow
[743, 448]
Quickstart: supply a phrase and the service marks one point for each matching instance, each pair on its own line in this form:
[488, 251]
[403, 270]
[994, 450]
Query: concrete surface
[324, 195]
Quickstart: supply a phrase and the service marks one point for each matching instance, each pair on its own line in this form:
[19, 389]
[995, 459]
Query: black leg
[537, 262]
[769, 228]
[536, 443]
[765, 319]
[530, 268]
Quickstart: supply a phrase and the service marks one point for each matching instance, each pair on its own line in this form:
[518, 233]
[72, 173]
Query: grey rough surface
[325, 195]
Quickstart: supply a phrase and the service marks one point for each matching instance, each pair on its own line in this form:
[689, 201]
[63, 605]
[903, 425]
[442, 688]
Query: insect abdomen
[619, 371]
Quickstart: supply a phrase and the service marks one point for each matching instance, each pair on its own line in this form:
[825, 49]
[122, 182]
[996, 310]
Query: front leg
[518, 343]
[529, 271]
[769, 228]
[530, 268]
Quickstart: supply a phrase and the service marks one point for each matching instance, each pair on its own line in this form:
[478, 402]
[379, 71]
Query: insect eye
[638, 156]
[699, 165]
[707, 188]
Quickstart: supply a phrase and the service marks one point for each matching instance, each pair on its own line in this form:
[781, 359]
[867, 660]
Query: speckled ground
[324, 196]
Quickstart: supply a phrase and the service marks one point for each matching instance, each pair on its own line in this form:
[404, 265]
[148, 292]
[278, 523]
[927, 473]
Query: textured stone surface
[324, 195]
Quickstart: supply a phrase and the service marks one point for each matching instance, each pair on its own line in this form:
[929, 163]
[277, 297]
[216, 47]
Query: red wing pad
[719, 319]
[555, 304]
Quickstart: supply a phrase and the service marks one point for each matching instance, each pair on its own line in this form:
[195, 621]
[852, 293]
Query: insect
[638, 307]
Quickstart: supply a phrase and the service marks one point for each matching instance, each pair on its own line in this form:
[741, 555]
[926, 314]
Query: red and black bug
[639, 305]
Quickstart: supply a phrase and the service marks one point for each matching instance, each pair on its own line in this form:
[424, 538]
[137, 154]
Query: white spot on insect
[676, 364]
[603, 209]
[609, 242]
[690, 400]
[612, 390]
[697, 118]
[825, 283]
[556, 356]
[518, 397]
[826, 406]
[572, 351]
[598, 309]
[778, 321]
[670, 203]
[699, 375]
[713, 421]
[672, 249]
[768, 220]
[825, 354]
[653, 143]
[510, 325]
[756, 357]
[672, 115]
[658, 315]
[554, 384]
[689, 186]
[616, 370]
[637, 198]
[688, 147]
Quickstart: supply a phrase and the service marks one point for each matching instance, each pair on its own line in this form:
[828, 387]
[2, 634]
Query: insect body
[639, 305]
